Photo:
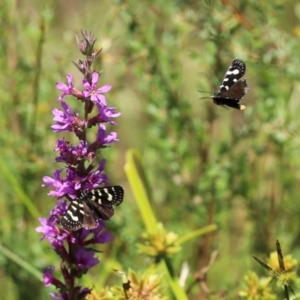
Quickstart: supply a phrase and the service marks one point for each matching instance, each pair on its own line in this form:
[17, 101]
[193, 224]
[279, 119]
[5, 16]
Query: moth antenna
[203, 92]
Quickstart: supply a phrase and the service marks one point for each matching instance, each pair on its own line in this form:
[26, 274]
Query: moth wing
[236, 70]
[237, 91]
[73, 218]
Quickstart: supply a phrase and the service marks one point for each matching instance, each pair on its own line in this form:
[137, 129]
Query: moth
[233, 88]
[91, 206]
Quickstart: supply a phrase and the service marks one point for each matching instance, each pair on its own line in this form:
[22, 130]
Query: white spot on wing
[224, 86]
[74, 218]
[234, 72]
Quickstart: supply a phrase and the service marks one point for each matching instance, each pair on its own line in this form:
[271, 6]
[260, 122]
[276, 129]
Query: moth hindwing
[233, 88]
[91, 206]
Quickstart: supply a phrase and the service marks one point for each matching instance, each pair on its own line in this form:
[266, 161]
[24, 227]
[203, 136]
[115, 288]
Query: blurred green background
[205, 164]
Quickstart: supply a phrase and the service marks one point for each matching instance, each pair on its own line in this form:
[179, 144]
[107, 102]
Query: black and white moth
[233, 88]
[91, 206]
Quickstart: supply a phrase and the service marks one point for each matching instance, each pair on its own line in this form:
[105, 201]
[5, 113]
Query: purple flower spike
[83, 170]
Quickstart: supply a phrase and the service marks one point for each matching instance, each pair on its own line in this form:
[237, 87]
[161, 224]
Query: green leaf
[19, 192]
[199, 232]
[21, 262]
[138, 183]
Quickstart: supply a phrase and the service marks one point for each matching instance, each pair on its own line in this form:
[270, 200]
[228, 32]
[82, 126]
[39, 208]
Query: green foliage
[157, 243]
[200, 166]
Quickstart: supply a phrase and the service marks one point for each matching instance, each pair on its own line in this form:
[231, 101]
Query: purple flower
[61, 187]
[106, 114]
[47, 228]
[48, 277]
[65, 120]
[62, 145]
[99, 235]
[69, 154]
[75, 180]
[97, 178]
[102, 237]
[94, 93]
[67, 89]
[103, 139]
[80, 150]
[59, 209]
[50, 229]
[85, 259]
